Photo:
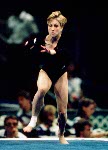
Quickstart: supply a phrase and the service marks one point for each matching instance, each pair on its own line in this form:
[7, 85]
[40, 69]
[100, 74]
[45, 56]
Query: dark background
[87, 27]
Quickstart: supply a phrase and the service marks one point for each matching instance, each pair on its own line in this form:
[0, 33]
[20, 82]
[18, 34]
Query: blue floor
[53, 145]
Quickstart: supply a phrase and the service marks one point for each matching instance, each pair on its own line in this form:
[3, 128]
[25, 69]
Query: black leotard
[54, 65]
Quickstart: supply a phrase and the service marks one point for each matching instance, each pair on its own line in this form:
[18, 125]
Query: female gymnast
[53, 71]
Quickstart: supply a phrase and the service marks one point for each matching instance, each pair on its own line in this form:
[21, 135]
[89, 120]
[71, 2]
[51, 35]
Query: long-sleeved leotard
[54, 65]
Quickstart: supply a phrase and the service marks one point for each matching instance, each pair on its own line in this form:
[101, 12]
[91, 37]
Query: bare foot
[62, 139]
[27, 129]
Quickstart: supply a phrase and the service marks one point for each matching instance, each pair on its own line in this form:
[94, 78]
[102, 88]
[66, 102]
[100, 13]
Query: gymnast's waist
[52, 68]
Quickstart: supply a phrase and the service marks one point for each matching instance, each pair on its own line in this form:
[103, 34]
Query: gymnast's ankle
[33, 121]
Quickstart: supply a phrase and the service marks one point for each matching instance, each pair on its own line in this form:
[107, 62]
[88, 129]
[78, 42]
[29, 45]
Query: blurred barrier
[8, 109]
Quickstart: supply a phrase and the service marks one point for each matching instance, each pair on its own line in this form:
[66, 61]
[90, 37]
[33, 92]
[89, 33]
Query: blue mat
[53, 145]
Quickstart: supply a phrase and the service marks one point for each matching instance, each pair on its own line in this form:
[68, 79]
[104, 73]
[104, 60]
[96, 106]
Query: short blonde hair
[57, 15]
[50, 109]
[45, 111]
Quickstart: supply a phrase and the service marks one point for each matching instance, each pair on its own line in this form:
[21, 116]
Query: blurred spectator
[24, 112]
[83, 128]
[11, 128]
[99, 133]
[86, 108]
[18, 28]
[47, 123]
[74, 87]
[74, 91]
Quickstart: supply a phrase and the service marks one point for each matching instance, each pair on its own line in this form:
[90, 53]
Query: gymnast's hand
[52, 52]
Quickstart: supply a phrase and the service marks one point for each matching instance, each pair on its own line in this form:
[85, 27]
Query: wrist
[52, 52]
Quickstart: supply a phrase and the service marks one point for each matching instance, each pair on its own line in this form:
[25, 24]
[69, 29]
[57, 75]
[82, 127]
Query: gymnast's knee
[41, 92]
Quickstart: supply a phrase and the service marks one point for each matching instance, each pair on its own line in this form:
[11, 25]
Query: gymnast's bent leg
[43, 83]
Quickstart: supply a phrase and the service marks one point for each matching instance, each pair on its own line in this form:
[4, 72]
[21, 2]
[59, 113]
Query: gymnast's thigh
[43, 81]
[61, 86]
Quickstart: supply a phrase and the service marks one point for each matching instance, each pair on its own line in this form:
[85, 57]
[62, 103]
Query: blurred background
[87, 28]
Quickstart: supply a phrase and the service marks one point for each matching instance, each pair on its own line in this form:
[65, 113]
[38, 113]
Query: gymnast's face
[54, 28]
